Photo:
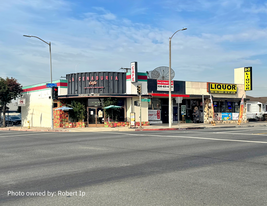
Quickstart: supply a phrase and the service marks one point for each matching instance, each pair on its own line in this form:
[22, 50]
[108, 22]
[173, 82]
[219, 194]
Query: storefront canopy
[64, 108]
[112, 107]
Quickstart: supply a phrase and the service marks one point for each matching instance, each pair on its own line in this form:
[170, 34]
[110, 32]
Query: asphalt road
[192, 167]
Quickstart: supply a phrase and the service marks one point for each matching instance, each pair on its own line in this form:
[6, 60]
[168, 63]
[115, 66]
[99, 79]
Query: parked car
[8, 122]
[15, 120]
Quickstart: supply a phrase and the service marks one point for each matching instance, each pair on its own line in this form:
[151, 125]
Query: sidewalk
[186, 126]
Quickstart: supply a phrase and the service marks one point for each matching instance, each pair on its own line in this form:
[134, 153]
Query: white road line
[204, 138]
[234, 133]
[27, 134]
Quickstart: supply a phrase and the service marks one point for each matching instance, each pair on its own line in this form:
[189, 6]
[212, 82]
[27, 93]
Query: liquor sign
[163, 85]
[134, 72]
[218, 88]
[21, 102]
[248, 78]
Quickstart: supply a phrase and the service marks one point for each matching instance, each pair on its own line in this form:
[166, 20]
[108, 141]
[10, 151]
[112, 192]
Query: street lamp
[170, 91]
[49, 44]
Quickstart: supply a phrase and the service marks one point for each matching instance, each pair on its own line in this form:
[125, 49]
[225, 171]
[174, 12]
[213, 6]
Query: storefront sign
[96, 82]
[183, 109]
[134, 72]
[235, 116]
[248, 78]
[154, 115]
[163, 85]
[92, 82]
[222, 88]
[217, 116]
[226, 116]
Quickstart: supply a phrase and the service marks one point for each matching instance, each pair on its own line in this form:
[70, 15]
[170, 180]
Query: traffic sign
[145, 100]
[50, 85]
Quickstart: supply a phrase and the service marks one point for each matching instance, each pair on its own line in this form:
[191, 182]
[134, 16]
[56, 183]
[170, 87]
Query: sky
[107, 35]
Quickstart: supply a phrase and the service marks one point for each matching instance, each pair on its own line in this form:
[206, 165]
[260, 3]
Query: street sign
[145, 100]
[50, 85]
[178, 99]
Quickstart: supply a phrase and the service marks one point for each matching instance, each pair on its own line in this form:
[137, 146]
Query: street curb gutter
[192, 128]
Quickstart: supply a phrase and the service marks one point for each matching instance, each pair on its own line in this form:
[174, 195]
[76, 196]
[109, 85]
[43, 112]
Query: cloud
[98, 39]
[257, 9]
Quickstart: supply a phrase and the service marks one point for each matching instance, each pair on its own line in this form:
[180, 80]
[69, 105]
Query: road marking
[204, 138]
[233, 133]
[261, 133]
[26, 134]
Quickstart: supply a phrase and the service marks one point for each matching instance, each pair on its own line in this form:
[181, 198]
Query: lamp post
[170, 90]
[49, 44]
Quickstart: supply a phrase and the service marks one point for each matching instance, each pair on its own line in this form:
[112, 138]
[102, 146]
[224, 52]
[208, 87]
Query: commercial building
[191, 101]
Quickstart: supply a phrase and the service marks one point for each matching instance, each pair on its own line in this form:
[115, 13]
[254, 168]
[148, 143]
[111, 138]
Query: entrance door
[95, 117]
[164, 114]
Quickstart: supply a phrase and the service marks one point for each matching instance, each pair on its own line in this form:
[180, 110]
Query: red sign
[163, 85]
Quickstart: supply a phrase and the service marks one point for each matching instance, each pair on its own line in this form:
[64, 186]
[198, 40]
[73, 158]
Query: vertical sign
[241, 110]
[134, 72]
[248, 78]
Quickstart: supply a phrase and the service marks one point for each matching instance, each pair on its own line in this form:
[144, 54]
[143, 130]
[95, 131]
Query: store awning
[112, 107]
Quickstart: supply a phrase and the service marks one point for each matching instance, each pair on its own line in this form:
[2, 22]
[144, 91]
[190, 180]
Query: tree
[78, 110]
[9, 89]
[110, 112]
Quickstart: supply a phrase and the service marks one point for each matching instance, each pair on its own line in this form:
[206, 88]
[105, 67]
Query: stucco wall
[38, 104]
[136, 110]
[37, 110]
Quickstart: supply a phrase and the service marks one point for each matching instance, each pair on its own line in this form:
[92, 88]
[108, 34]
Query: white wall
[239, 75]
[136, 109]
[37, 109]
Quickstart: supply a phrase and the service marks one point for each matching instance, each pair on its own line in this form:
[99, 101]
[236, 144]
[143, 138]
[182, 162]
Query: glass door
[95, 117]
[100, 117]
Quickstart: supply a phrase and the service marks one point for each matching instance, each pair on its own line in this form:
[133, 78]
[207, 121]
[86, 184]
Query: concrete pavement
[182, 126]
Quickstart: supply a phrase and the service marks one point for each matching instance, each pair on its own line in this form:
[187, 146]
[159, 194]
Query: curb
[133, 129]
[187, 128]
[192, 128]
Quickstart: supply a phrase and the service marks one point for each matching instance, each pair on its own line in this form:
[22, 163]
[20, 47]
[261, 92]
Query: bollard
[29, 124]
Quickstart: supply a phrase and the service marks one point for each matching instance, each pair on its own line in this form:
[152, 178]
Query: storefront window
[216, 106]
[237, 107]
[224, 106]
[154, 104]
[93, 102]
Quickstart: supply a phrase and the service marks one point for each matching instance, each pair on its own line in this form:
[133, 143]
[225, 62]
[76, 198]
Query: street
[192, 167]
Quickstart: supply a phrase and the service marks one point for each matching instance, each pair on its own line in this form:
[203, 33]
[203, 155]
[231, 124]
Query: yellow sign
[248, 78]
[222, 88]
